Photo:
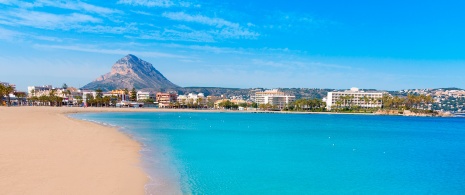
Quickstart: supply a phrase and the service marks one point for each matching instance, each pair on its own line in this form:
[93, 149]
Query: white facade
[273, 97]
[191, 98]
[38, 91]
[142, 95]
[355, 98]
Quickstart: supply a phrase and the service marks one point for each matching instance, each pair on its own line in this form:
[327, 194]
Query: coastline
[44, 151]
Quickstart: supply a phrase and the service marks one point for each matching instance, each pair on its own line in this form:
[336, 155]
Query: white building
[354, 97]
[273, 97]
[191, 98]
[86, 93]
[38, 91]
[143, 95]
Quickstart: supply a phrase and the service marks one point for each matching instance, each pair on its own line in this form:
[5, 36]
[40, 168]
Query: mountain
[129, 72]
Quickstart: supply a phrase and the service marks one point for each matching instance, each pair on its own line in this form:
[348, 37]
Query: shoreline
[46, 144]
[44, 151]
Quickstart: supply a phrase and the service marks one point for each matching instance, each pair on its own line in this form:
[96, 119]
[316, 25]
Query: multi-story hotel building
[164, 99]
[354, 97]
[273, 97]
[145, 95]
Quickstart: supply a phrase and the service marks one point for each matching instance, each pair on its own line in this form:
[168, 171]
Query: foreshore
[42, 151]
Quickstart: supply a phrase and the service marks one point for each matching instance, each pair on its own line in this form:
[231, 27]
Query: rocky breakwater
[413, 113]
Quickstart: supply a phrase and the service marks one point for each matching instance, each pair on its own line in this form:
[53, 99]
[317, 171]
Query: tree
[199, 102]
[33, 100]
[43, 99]
[9, 89]
[99, 93]
[52, 98]
[254, 105]
[2, 93]
[20, 96]
[90, 99]
[99, 97]
[79, 99]
[133, 95]
[64, 86]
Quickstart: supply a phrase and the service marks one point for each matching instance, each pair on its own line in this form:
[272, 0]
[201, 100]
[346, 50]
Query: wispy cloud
[299, 64]
[218, 22]
[69, 5]
[103, 29]
[45, 20]
[224, 28]
[93, 49]
[9, 35]
[292, 20]
[154, 3]
[76, 5]
[71, 21]
[176, 35]
[141, 13]
[208, 49]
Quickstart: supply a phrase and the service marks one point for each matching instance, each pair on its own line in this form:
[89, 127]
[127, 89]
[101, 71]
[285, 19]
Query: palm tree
[428, 100]
[67, 93]
[79, 100]
[338, 104]
[99, 96]
[52, 97]
[43, 99]
[20, 96]
[199, 101]
[2, 93]
[133, 94]
[33, 100]
[9, 89]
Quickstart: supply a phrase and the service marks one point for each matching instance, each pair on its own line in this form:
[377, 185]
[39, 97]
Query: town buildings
[144, 95]
[273, 97]
[354, 97]
[165, 99]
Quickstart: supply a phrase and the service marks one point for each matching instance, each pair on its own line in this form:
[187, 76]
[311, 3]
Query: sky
[386, 45]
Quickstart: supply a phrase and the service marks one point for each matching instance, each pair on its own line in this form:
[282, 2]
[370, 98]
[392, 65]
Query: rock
[129, 72]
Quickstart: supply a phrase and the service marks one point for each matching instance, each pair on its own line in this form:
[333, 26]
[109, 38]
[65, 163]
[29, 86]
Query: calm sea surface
[246, 153]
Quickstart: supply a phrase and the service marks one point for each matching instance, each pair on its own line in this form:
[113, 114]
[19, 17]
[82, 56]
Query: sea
[270, 153]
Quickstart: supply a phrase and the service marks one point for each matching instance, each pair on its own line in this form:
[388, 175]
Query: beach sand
[42, 151]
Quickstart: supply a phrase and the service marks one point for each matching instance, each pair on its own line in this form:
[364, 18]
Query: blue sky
[312, 44]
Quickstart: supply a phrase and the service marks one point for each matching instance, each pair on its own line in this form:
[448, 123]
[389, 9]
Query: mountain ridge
[131, 72]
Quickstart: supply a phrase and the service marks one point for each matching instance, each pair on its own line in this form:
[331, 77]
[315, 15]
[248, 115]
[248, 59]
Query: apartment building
[354, 97]
[274, 97]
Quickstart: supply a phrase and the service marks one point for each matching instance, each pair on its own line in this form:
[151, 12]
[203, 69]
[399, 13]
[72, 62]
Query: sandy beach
[42, 151]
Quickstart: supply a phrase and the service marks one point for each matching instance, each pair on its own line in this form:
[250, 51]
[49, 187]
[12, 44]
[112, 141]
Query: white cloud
[7, 2]
[218, 22]
[177, 35]
[291, 20]
[301, 65]
[70, 5]
[46, 20]
[148, 3]
[142, 13]
[92, 49]
[47, 38]
[159, 3]
[9, 35]
[78, 6]
[226, 28]
[107, 29]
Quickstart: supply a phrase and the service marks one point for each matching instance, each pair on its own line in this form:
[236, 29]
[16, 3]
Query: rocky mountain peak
[131, 71]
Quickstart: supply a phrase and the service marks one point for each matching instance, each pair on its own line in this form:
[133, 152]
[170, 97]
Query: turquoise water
[250, 153]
